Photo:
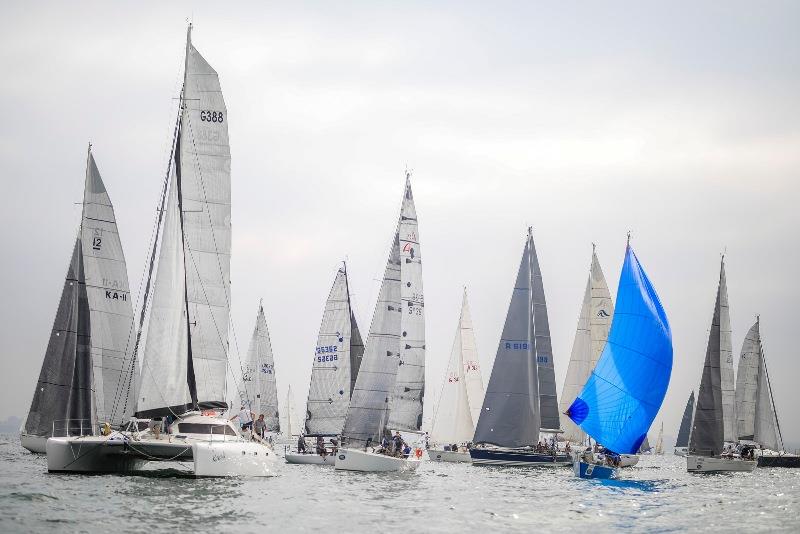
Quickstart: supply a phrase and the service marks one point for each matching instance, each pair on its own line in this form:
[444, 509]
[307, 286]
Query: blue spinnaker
[624, 392]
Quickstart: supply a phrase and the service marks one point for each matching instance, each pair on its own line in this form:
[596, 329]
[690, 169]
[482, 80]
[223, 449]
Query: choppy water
[657, 495]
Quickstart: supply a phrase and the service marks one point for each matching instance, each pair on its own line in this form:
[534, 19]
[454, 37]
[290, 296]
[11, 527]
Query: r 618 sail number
[211, 116]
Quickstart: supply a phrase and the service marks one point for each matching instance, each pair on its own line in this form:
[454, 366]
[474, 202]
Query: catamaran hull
[370, 462]
[210, 459]
[310, 459]
[35, 444]
[586, 470]
[710, 464]
[681, 451]
[786, 460]
[518, 458]
[448, 456]
[628, 460]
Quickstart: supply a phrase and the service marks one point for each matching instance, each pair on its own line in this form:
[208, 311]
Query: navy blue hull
[779, 461]
[518, 457]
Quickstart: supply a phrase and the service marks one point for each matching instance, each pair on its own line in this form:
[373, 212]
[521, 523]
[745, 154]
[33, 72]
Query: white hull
[680, 451]
[710, 464]
[310, 459]
[37, 444]
[448, 456]
[370, 462]
[628, 460]
[99, 454]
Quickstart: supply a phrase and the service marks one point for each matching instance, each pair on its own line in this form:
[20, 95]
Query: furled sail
[63, 392]
[406, 400]
[333, 371]
[108, 294]
[510, 415]
[453, 421]
[627, 386]
[712, 413]
[390, 385]
[82, 379]
[259, 375]
[184, 364]
[686, 423]
[590, 338]
[757, 419]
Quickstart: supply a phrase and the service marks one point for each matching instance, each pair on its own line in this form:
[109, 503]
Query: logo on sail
[603, 313]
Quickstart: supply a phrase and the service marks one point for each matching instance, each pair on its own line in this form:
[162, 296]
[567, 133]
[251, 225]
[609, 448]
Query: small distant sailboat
[659, 448]
[337, 359]
[260, 393]
[180, 393]
[714, 419]
[460, 402]
[682, 443]
[521, 401]
[624, 393]
[389, 389]
[757, 421]
[82, 381]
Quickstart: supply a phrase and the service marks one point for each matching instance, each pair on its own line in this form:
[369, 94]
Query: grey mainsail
[185, 357]
[686, 423]
[708, 428]
[510, 415]
[63, 392]
[335, 367]
[747, 384]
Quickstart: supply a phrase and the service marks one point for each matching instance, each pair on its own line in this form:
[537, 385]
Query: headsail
[510, 415]
[624, 393]
[259, 375]
[184, 363]
[713, 412]
[333, 371]
[453, 421]
[686, 423]
[590, 338]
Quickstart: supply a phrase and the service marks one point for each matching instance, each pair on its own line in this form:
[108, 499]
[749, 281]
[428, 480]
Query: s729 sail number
[211, 116]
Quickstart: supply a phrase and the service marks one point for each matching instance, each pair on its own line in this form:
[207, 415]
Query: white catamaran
[521, 400]
[715, 419]
[461, 398]
[82, 381]
[182, 387]
[337, 358]
[389, 389]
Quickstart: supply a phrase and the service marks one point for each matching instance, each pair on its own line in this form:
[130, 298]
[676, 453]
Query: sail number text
[211, 116]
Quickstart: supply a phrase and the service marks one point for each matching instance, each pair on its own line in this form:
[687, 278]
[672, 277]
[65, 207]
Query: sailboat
[258, 377]
[659, 448]
[757, 421]
[81, 384]
[624, 393]
[337, 358]
[521, 400]
[180, 393]
[461, 398]
[714, 418]
[388, 392]
[682, 443]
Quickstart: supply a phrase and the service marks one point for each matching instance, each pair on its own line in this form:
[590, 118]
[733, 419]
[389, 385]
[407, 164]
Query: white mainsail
[336, 362]
[462, 388]
[594, 323]
[184, 364]
[727, 383]
[406, 401]
[258, 378]
[660, 440]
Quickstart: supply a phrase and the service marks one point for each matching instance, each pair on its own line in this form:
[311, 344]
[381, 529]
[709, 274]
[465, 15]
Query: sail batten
[620, 400]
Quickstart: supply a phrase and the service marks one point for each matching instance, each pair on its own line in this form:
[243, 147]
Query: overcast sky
[678, 122]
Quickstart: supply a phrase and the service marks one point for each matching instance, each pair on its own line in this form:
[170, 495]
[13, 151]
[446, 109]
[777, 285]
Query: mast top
[90, 147]
[629, 238]
[189, 33]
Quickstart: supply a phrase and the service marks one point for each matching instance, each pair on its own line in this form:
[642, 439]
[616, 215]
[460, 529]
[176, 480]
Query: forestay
[590, 338]
[510, 415]
[335, 366]
[259, 375]
[627, 386]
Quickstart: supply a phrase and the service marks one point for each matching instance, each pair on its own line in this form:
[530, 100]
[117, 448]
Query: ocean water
[656, 496]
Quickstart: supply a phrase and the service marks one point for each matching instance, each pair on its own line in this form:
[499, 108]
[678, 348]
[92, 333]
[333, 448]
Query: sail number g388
[211, 116]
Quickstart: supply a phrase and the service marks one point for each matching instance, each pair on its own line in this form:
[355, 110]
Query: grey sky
[678, 122]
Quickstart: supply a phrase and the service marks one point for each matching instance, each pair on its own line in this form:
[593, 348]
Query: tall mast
[769, 385]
